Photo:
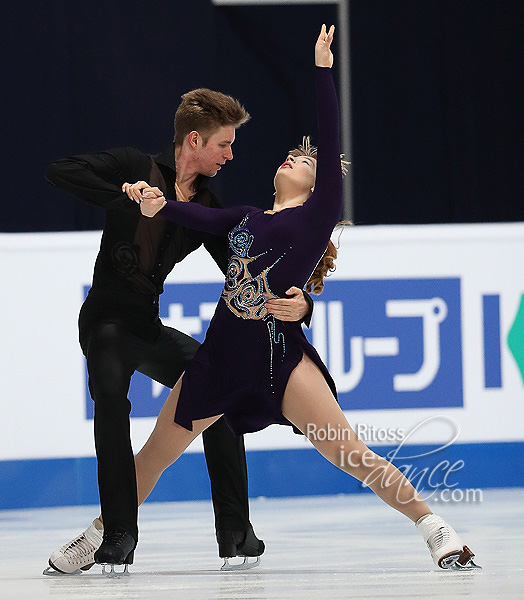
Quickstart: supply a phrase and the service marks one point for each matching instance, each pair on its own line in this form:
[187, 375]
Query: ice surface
[328, 547]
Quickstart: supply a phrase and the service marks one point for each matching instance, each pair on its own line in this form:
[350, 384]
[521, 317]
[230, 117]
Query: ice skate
[447, 549]
[242, 544]
[117, 548]
[78, 554]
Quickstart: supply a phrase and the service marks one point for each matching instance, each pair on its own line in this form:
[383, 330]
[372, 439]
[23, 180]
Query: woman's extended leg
[309, 404]
[166, 443]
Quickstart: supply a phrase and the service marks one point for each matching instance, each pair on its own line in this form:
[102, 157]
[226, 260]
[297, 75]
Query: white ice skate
[78, 554]
[447, 549]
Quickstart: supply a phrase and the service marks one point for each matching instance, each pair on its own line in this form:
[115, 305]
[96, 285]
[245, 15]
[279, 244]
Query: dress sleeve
[218, 221]
[325, 203]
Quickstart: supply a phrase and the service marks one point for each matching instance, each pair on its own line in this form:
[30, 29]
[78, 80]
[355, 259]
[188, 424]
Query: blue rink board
[275, 473]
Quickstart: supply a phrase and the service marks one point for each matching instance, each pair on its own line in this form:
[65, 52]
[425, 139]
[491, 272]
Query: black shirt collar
[167, 159]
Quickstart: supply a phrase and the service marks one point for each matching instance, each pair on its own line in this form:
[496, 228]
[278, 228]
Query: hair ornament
[307, 149]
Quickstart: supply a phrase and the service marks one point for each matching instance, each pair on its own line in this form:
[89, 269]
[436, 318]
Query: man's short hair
[205, 111]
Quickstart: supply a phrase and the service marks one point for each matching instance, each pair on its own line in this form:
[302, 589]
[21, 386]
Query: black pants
[113, 353]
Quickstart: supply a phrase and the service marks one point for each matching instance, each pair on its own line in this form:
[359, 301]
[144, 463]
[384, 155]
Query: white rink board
[43, 400]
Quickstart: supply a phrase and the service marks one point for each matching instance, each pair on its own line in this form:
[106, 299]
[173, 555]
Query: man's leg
[110, 366]
[226, 463]
[224, 452]
[113, 356]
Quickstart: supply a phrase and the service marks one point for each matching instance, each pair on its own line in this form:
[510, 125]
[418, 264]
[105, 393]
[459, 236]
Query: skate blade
[52, 572]
[112, 574]
[243, 566]
[459, 561]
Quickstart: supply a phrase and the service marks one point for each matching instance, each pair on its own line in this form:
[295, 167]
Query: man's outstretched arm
[97, 178]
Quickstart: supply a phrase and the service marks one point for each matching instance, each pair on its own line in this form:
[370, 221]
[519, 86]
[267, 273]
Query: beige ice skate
[77, 555]
[447, 549]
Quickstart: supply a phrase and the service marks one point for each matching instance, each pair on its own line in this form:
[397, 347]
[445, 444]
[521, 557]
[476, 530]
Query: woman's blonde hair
[325, 266]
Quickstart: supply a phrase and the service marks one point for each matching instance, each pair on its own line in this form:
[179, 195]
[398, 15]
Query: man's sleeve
[98, 178]
[217, 248]
[307, 317]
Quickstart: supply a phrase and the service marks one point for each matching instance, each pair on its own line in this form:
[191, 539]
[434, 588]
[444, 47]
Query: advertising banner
[421, 327]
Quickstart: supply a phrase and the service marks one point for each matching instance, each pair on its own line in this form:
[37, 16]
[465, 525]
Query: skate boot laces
[79, 549]
[115, 537]
[438, 539]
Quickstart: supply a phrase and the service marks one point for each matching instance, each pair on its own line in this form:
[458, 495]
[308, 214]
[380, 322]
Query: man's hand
[323, 55]
[289, 309]
[134, 190]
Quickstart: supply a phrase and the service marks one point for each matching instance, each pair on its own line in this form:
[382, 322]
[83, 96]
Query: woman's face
[298, 172]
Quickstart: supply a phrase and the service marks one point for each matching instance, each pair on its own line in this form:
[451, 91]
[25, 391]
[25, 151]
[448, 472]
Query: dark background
[436, 99]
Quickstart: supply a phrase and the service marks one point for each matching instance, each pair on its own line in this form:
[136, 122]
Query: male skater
[120, 328]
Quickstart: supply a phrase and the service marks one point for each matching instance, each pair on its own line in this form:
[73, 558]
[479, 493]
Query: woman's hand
[150, 199]
[323, 55]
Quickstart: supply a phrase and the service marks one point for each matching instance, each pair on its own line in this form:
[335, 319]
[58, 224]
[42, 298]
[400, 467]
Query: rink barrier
[421, 328]
[276, 473]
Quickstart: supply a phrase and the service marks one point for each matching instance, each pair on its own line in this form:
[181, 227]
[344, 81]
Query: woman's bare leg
[165, 444]
[309, 404]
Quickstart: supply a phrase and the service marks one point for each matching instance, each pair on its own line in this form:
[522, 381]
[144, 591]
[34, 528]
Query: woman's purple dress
[243, 366]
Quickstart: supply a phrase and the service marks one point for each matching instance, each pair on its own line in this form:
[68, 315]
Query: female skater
[247, 350]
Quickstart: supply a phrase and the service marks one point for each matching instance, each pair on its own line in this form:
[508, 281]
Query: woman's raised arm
[325, 204]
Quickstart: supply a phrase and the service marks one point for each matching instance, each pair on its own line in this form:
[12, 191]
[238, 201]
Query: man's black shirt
[136, 252]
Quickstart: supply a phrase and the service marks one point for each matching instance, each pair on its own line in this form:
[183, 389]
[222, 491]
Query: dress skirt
[242, 370]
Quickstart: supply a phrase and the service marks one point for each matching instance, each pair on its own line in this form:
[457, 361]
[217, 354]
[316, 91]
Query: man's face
[210, 157]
